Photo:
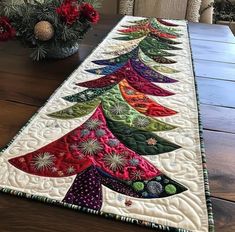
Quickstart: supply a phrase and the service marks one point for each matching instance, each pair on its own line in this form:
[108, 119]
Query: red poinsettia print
[68, 11]
[87, 11]
[6, 30]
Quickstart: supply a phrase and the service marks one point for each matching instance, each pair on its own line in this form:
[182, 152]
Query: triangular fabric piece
[145, 46]
[144, 86]
[132, 35]
[159, 44]
[159, 59]
[130, 29]
[76, 111]
[87, 95]
[117, 109]
[117, 60]
[157, 187]
[143, 28]
[89, 144]
[110, 79]
[142, 103]
[106, 70]
[127, 72]
[166, 23]
[149, 73]
[154, 65]
[105, 81]
[86, 190]
[169, 30]
[164, 40]
[142, 142]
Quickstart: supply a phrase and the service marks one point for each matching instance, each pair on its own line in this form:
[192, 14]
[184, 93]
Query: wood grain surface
[26, 85]
[216, 92]
[219, 33]
[214, 51]
[215, 70]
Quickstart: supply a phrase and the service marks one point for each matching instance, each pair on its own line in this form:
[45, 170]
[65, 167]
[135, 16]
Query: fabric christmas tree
[108, 148]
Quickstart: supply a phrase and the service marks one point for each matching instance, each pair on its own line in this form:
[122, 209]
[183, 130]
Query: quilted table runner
[121, 136]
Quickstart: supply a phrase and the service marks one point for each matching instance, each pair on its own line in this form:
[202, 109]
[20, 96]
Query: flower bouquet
[52, 28]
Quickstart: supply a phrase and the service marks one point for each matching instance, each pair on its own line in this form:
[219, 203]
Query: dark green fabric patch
[139, 140]
[87, 95]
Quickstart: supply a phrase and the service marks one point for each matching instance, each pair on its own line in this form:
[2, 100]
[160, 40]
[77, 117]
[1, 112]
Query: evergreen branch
[25, 16]
[39, 53]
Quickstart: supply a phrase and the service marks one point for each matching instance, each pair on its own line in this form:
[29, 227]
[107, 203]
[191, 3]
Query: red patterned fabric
[162, 21]
[142, 103]
[133, 78]
[69, 156]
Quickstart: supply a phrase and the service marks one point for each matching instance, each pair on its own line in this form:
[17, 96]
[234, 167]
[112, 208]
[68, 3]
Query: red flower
[68, 11]
[87, 11]
[6, 30]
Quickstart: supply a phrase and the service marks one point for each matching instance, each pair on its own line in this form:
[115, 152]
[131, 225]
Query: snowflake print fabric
[100, 151]
[121, 136]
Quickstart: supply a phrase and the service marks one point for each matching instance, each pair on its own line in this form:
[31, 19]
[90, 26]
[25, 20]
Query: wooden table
[25, 86]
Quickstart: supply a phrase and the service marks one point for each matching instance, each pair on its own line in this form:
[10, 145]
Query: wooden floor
[25, 86]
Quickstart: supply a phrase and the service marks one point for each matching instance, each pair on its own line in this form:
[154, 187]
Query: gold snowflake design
[141, 122]
[118, 109]
[115, 161]
[43, 161]
[90, 147]
[93, 124]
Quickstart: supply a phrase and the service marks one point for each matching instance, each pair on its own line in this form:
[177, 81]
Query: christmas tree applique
[109, 148]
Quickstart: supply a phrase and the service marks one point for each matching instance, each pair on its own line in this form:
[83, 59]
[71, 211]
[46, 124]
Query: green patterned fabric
[154, 23]
[87, 95]
[156, 67]
[156, 44]
[76, 111]
[117, 109]
[151, 51]
[137, 140]
[133, 35]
